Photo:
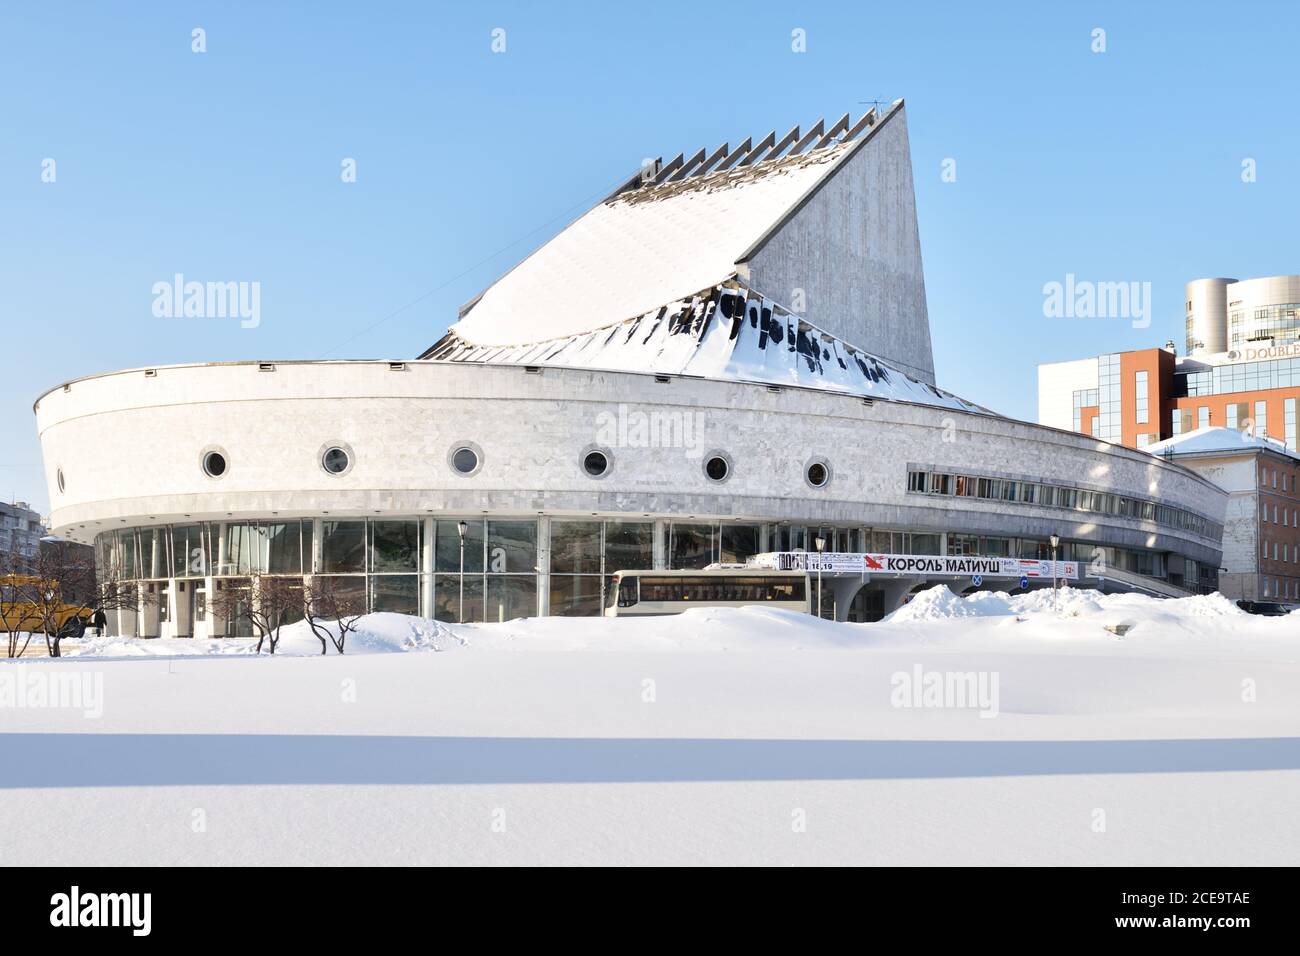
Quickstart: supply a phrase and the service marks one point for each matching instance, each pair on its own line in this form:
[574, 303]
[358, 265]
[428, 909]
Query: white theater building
[729, 355]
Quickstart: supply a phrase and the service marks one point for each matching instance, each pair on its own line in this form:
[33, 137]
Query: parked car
[1266, 608]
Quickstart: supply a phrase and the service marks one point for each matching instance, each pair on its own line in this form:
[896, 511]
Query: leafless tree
[267, 604]
[18, 629]
[333, 600]
[60, 593]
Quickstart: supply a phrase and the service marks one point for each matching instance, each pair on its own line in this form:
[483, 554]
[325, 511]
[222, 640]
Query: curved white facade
[532, 428]
[128, 448]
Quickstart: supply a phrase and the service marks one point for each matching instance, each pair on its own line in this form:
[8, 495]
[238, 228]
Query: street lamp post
[821, 544]
[461, 528]
[1056, 543]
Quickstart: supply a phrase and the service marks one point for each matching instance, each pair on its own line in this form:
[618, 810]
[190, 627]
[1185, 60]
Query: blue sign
[1024, 582]
[977, 580]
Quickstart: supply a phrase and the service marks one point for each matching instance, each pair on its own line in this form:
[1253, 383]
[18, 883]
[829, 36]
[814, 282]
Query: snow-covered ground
[720, 736]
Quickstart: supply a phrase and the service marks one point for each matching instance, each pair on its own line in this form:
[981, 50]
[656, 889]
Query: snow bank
[987, 620]
[939, 604]
[380, 633]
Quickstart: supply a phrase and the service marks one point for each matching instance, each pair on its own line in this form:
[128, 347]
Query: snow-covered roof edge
[1218, 439]
[730, 333]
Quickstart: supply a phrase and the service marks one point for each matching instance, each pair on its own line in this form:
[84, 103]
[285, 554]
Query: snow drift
[1077, 618]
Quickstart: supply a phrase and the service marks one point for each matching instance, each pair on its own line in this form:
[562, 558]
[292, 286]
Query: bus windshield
[624, 591]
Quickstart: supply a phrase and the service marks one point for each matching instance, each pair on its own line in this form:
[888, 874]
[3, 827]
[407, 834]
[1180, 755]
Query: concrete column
[544, 566]
[166, 612]
[129, 619]
[173, 608]
[661, 545]
[150, 617]
[426, 567]
[205, 624]
[218, 528]
[895, 591]
[317, 531]
[157, 556]
[123, 622]
[180, 604]
[217, 621]
[843, 589]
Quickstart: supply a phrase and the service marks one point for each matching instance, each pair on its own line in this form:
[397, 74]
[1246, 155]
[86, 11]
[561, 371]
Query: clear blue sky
[1120, 166]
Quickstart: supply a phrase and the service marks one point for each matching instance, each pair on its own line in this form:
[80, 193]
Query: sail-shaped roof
[673, 229]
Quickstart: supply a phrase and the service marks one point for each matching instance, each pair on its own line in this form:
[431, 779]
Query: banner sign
[848, 562]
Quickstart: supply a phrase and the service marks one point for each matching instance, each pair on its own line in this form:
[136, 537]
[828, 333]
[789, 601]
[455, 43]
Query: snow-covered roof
[681, 227]
[1216, 439]
[724, 332]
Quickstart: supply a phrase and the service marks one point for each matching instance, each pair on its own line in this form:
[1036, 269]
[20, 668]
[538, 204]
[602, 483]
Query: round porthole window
[58, 477]
[596, 462]
[214, 464]
[336, 459]
[817, 472]
[717, 466]
[465, 459]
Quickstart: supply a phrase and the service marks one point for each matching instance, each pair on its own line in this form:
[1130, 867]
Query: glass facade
[903, 542]
[343, 547]
[585, 554]
[484, 570]
[692, 545]
[393, 564]
[1279, 324]
[1084, 398]
[285, 547]
[1059, 496]
[1108, 398]
[1239, 377]
[1149, 563]
[497, 569]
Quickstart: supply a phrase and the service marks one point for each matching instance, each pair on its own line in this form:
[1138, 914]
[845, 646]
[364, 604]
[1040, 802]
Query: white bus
[643, 593]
